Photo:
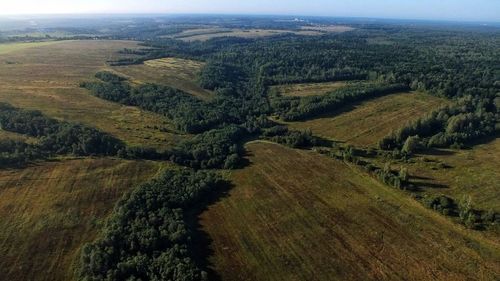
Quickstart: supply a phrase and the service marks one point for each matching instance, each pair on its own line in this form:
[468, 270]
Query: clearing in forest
[366, 123]
[298, 215]
[308, 89]
[174, 72]
[328, 28]
[46, 77]
[245, 33]
[458, 173]
[49, 210]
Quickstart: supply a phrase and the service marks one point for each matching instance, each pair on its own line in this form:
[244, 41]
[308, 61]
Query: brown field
[6, 48]
[297, 215]
[329, 28]
[5, 135]
[470, 172]
[47, 77]
[174, 72]
[308, 89]
[246, 33]
[48, 211]
[366, 123]
[199, 31]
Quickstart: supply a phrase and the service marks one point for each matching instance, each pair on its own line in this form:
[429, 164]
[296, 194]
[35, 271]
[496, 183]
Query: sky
[467, 10]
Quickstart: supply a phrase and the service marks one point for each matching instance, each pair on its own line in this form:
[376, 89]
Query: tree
[411, 145]
[403, 174]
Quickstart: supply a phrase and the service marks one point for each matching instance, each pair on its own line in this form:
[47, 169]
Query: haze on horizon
[459, 10]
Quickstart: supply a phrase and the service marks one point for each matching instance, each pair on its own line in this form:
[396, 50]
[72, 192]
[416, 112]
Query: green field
[6, 135]
[50, 210]
[307, 89]
[296, 215]
[173, 72]
[200, 35]
[6, 48]
[365, 124]
[329, 28]
[47, 78]
[458, 173]
[210, 32]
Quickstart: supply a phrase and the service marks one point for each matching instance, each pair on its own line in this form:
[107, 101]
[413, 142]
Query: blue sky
[477, 10]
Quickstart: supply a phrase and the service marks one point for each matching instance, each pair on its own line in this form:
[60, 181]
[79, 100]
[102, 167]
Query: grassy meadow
[366, 123]
[175, 72]
[243, 33]
[458, 173]
[308, 89]
[209, 32]
[297, 215]
[6, 48]
[47, 78]
[6, 135]
[329, 28]
[49, 210]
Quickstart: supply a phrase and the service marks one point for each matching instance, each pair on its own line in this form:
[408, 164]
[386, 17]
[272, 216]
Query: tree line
[469, 118]
[188, 113]
[147, 238]
[295, 108]
[54, 137]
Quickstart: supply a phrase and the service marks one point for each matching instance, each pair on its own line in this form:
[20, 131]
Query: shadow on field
[336, 112]
[420, 177]
[424, 185]
[436, 151]
[483, 140]
[201, 241]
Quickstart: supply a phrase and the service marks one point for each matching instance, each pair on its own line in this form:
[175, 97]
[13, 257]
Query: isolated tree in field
[466, 213]
[387, 168]
[403, 174]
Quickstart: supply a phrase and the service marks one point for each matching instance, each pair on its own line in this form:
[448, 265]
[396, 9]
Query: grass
[51, 209]
[204, 34]
[6, 135]
[47, 78]
[199, 31]
[365, 124]
[43, 35]
[6, 48]
[308, 89]
[297, 215]
[244, 33]
[174, 72]
[329, 28]
[458, 173]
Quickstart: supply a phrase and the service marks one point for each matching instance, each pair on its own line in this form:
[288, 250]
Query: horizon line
[244, 14]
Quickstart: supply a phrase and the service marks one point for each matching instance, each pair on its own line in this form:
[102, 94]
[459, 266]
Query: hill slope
[50, 210]
[46, 77]
[296, 215]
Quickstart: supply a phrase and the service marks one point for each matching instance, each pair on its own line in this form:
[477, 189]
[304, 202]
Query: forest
[147, 236]
[240, 71]
[53, 137]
